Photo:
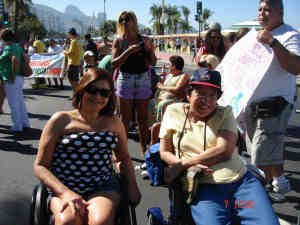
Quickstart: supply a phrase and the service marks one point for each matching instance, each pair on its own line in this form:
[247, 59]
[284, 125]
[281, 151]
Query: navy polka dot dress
[83, 161]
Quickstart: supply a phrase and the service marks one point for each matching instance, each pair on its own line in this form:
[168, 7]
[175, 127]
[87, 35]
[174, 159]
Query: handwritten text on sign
[242, 69]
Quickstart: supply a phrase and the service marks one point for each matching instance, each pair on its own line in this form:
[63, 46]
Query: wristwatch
[272, 42]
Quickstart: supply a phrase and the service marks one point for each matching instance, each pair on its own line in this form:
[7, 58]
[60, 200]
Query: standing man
[91, 45]
[74, 56]
[270, 108]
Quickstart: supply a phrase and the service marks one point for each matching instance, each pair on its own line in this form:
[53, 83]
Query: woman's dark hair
[7, 35]
[177, 61]
[210, 47]
[91, 76]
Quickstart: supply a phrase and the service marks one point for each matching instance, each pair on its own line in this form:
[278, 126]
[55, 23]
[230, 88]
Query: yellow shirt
[192, 142]
[39, 46]
[74, 53]
[171, 81]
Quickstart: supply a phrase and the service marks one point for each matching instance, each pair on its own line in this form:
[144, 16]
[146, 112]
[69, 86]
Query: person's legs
[102, 208]
[141, 106]
[21, 102]
[210, 206]
[12, 91]
[251, 203]
[265, 141]
[125, 111]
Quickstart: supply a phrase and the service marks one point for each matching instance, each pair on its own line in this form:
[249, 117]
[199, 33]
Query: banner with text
[242, 69]
[47, 65]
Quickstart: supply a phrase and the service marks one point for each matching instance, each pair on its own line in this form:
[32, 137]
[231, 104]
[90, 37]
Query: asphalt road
[17, 156]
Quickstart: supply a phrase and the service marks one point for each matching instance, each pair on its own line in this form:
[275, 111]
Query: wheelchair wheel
[32, 206]
[39, 210]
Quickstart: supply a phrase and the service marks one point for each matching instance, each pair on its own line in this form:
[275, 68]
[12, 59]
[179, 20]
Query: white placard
[242, 69]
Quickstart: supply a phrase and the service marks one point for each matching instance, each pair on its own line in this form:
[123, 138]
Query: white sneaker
[144, 166]
[145, 174]
[281, 185]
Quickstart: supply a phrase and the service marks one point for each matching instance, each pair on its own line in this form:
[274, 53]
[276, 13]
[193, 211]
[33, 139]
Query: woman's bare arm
[226, 143]
[50, 135]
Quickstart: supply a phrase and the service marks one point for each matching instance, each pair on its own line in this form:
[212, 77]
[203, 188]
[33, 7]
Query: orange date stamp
[239, 204]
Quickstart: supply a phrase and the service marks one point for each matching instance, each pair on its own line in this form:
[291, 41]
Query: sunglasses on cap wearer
[93, 90]
[125, 19]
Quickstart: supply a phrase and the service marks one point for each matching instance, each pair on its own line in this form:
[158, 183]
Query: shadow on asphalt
[13, 146]
[38, 116]
[48, 92]
[28, 134]
[15, 210]
[291, 219]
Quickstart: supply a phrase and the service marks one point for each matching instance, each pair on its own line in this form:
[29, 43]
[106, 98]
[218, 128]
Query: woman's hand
[74, 201]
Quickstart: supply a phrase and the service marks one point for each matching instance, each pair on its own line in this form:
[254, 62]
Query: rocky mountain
[62, 21]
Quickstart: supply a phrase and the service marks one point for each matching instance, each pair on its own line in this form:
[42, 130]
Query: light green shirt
[192, 143]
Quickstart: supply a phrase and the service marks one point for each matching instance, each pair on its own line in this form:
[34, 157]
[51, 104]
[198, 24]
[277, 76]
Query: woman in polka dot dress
[74, 158]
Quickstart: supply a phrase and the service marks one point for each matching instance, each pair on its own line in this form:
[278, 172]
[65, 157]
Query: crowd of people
[114, 84]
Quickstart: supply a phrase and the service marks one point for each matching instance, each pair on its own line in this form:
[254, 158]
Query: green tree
[184, 24]
[108, 27]
[146, 31]
[206, 14]
[156, 14]
[19, 8]
[173, 19]
[24, 23]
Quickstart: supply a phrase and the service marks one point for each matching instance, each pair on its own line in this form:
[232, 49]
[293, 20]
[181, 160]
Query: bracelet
[272, 42]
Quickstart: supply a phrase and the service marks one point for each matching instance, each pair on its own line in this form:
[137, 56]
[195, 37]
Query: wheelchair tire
[32, 206]
[41, 215]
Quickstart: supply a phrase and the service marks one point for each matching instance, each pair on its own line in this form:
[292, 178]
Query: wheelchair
[40, 213]
[180, 213]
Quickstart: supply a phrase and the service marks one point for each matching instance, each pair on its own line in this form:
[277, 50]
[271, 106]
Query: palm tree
[173, 19]
[185, 26]
[186, 12]
[19, 8]
[156, 13]
[205, 16]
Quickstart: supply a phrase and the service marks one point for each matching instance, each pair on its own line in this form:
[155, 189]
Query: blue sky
[226, 12]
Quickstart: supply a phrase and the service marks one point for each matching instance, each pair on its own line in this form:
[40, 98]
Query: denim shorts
[113, 185]
[133, 86]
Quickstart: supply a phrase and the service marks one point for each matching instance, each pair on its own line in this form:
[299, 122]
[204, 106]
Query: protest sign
[47, 65]
[242, 69]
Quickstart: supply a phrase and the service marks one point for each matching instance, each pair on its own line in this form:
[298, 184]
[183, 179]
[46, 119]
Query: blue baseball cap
[205, 77]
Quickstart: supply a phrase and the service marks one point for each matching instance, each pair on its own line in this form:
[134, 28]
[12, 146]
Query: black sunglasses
[126, 19]
[94, 90]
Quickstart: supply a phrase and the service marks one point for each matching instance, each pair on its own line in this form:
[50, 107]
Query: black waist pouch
[268, 107]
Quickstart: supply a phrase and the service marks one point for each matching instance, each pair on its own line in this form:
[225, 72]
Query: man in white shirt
[271, 106]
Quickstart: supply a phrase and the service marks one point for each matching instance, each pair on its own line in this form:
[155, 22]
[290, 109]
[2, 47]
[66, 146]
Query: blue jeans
[244, 202]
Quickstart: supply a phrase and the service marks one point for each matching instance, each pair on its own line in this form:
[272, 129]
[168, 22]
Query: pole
[163, 17]
[104, 1]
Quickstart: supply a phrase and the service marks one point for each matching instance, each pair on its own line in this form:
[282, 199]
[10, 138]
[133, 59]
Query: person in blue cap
[201, 135]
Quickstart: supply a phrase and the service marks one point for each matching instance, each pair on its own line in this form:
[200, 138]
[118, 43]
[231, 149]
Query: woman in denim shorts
[132, 54]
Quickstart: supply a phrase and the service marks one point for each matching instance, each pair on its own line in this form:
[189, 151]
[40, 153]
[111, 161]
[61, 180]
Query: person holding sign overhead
[269, 109]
